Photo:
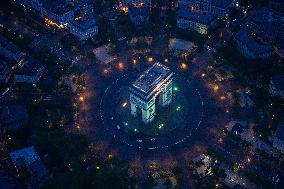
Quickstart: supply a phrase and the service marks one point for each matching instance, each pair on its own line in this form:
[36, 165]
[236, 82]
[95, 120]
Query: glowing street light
[248, 160]
[106, 72]
[135, 130]
[81, 98]
[150, 59]
[215, 88]
[134, 61]
[183, 66]
[161, 126]
[120, 66]
[110, 156]
[124, 104]
[178, 108]
[175, 88]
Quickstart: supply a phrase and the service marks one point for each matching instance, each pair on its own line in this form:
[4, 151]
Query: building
[277, 5]
[63, 14]
[31, 5]
[279, 48]
[276, 86]
[9, 50]
[6, 180]
[189, 20]
[216, 7]
[267, 25]
[199, 15]
[84, 7]
[180, 46]
[13, 117]
[139, 15]
[203, 165]
[155, 82]
[30, 167]
[84, 24]
[137, 2]
[250, 48]
[84, 28]
[58, 13]
[5, 72]
[193, 21]
[220, 8]
[30, 72]
[103, 54]
[279, 138]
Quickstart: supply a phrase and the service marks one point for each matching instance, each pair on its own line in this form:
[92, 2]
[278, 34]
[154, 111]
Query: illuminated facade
[199, 15]
[155, 82]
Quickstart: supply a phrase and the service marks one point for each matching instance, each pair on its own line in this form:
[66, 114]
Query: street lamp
[183, 66]
[150, 59]
[81, 98]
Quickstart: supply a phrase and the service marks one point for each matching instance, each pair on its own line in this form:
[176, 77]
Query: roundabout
[173, 124]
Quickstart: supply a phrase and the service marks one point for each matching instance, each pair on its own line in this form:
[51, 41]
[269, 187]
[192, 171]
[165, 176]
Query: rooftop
[30, 67]
[181, 44]
[57, 6]
[103, 54]
[5, 43]
[14, 114]
[197, 17]
[6, 180]
[278, 81]
[151, 77]
[246, 39]
[29, 154]
[86, 24]
[222, 3]
[280, 131]
[139, 11]
[4, 68]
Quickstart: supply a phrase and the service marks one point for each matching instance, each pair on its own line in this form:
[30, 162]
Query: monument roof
[151, 77]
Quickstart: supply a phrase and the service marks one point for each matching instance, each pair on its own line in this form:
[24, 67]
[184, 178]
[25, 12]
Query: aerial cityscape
[142, 94]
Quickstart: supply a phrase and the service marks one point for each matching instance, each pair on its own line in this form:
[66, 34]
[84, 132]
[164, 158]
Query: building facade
[78, 16]
[84, 29]
[276, 86]
[154, 84]
[199, 15]
[278, 141]
[30, 72]
[193, 21]
[5, 72]
[139, 16]
[251, 49]
[9, 50]
[32, 5]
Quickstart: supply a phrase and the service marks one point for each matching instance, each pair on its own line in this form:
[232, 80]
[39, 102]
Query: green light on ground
[161, 126]
[125, 124]
[178, 108]
[175, 89]
[135, 130]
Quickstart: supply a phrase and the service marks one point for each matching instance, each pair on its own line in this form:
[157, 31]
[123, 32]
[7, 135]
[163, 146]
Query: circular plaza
[171, 125]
